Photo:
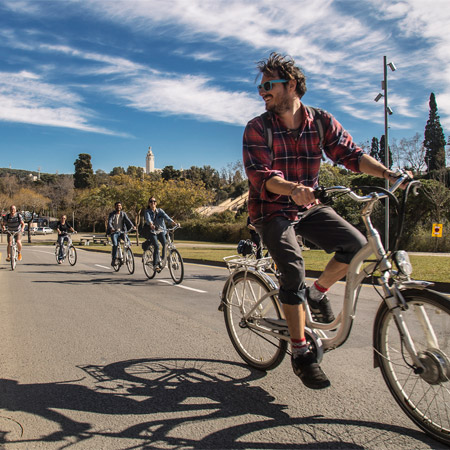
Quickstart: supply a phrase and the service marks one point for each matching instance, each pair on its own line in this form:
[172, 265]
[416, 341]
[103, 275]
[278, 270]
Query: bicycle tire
[129, 258]
[147, 263]
[176, 266]
[425, 398]
[261, 351]
[13, 257]
[57, 252]
[116, 265]
[72, 255]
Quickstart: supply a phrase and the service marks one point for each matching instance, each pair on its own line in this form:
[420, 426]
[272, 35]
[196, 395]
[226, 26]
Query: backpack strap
[316, 114]
[267, 125]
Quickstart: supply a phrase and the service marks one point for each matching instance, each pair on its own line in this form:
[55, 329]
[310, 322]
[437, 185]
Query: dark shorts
[320, 225]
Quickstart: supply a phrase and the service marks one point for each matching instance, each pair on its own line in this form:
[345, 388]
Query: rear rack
[235, 262]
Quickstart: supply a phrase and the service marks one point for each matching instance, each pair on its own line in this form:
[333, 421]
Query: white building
[150, 161]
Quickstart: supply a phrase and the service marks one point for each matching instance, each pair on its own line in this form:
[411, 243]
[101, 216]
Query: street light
[387, 112]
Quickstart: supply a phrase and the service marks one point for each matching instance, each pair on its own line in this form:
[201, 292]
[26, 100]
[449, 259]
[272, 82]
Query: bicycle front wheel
[176, 266]
[57, 252]
[72, 255]
[147, 263]
[117, 264]
[13, 257]
[129, 258]
[424, 397]
[260, 350]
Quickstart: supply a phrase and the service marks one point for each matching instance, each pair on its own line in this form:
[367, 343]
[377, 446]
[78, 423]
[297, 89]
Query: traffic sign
[437, 230]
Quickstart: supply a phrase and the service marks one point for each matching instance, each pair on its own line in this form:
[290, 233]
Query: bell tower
[150, 161]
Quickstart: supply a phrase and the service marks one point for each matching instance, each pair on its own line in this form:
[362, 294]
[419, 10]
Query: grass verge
[426, 267]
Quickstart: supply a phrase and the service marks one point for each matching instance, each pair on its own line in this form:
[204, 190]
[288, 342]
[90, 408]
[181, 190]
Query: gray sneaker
[320, 310]
[308, 370]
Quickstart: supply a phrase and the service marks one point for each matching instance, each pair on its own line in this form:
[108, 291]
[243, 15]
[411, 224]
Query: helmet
[245, 247]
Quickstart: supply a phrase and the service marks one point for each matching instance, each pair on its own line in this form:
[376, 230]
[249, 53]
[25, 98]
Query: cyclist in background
[14, 222]
[63, 229]
[156, 219]
[118, 222]
[255, 237]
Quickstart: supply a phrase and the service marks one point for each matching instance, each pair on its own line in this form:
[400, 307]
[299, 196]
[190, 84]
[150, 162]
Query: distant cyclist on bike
[62, 229]
[156, 219]
[282, 179]
[14, 222]
[118, 222]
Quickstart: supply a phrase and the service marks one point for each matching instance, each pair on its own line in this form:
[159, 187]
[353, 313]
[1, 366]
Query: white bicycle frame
[123, 243]
[355, 276]
[13, 235]
[169, 243]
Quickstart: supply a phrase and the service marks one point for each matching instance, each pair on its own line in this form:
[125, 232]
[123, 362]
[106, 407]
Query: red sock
[298, 346]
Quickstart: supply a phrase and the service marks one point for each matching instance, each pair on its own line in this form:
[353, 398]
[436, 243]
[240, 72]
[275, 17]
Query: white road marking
[103, 267]
[183, 287]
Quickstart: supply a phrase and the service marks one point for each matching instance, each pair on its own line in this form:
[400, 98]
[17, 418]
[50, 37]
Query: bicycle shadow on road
[179, 403]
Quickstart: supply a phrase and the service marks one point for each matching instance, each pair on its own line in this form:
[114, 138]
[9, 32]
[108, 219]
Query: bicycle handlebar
[13, 233]
[168, 230]
[378, 193]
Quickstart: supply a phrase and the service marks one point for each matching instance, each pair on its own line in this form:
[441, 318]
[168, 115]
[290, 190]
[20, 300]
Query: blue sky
[113, 77]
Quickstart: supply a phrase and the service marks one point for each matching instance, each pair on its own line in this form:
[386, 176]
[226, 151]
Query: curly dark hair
[286, 69]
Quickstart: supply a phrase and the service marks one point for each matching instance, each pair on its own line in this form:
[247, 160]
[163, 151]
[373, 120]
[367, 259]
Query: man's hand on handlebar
[303, 195]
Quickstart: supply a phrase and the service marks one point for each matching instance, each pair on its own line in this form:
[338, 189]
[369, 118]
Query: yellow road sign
[437, 230]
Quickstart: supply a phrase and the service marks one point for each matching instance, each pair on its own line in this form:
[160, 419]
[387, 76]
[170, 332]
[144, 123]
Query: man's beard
[283, 105]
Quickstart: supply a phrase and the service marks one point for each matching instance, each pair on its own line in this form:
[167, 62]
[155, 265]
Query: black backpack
[316, 114]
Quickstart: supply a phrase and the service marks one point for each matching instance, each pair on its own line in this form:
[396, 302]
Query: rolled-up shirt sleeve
[339, 145]
[257, 158]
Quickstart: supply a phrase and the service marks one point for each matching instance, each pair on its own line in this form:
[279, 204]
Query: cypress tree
[375, 149]
[381, 154]
[84, 173]
[434, 142]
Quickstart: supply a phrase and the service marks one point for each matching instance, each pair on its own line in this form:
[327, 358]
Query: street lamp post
[387, 112]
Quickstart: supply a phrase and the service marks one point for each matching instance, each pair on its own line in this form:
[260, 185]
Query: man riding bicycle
[118, 222]
[282, 177]
[155, 218]
[14, 222]
[62, 229]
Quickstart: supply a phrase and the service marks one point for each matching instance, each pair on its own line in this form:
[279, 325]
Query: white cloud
[25, 98]
[340, 44]
[186, 95]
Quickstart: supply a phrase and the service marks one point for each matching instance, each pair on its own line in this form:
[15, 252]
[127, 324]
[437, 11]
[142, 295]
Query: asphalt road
[93, 359]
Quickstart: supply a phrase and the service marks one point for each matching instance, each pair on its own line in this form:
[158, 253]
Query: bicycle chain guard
[314, 343]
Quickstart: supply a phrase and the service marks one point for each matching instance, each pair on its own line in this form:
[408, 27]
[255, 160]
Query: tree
[410, 153]
[382, 153]
[169, 173]
[9, 184]
[84, 173]
[434, 141]
[117, 171]
[375, 149]
[135, 172]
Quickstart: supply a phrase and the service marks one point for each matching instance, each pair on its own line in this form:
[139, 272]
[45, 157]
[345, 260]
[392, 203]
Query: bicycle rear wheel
[147, 263]
[259, 350]
[424, 397]
[72, 255]
[13, 257]
[129, 258]
[176, 266]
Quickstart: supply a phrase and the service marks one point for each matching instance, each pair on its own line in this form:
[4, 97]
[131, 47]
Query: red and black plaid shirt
[297, 160]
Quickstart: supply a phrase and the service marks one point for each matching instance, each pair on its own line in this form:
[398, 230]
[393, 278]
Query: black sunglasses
[267, 86]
